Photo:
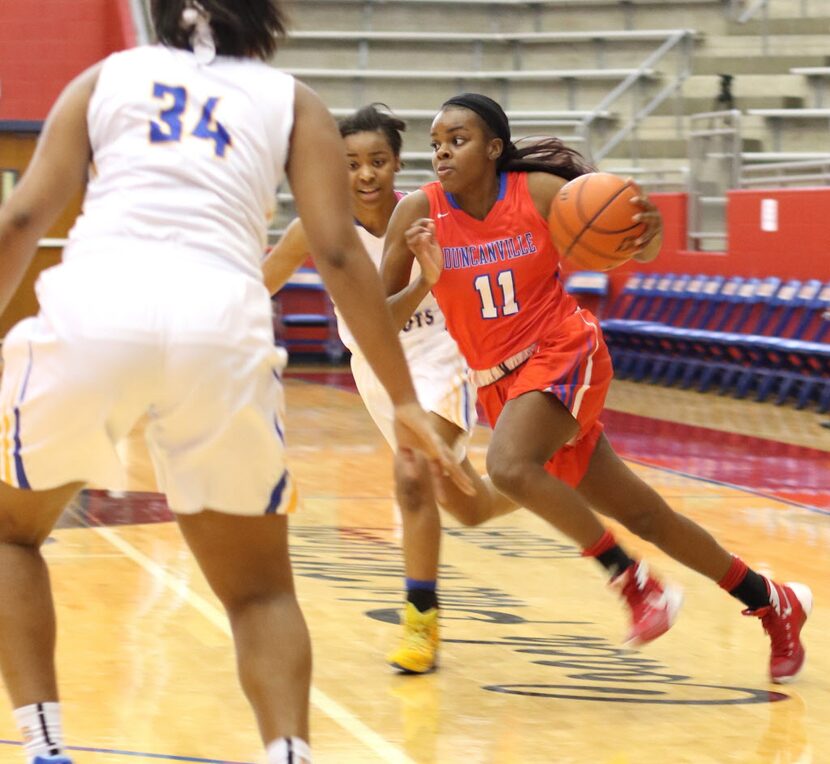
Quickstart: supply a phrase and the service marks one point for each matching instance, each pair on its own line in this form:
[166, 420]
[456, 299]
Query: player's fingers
[647, 215]
[437, 474]
[653, 222]
[644, 239]
[453, 470]
[418, 236]
[408, 463]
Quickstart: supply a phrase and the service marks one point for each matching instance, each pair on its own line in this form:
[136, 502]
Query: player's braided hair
[545, 154]
[241, 28]
[376, 117]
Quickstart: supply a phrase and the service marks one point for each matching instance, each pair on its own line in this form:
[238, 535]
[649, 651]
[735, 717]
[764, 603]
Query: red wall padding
[44, 44]
[799, 249]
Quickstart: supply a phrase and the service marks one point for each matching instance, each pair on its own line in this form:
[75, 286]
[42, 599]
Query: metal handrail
[141, 21]
[749, 11]
[676, 38]
[712, 135]
[815, 171]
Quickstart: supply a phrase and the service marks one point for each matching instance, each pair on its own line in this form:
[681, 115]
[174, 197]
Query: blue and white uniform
[159, 306]
[438, 369]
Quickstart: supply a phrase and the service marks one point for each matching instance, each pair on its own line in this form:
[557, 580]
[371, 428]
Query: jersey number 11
[508, 306]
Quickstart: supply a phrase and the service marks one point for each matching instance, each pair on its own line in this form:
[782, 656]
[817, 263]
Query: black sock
[615, 560]
[423, 597]
[752, 590]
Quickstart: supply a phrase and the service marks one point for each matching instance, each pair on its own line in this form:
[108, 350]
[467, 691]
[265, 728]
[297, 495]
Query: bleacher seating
[744, 336]
[427, 86]
[819, 77]
[590, 289]
[306, 314]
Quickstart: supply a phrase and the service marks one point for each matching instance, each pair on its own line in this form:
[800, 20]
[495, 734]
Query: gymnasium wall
[16, 148]
[45, 43]
[795, 244]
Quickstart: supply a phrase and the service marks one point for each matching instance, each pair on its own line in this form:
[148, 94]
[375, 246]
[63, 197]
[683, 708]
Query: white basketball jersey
[174, 140]
[425, 325]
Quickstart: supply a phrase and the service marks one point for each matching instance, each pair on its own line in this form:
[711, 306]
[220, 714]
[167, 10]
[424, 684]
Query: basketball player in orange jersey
[373, 155]
[481, 237]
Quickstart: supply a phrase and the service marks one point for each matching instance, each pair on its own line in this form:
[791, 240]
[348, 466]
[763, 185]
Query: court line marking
[742, 488]
[388, 752]
[141, 754]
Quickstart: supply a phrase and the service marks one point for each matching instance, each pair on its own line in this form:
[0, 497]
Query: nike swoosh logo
[442, 214]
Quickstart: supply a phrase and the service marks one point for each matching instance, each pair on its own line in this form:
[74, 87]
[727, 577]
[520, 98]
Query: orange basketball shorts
[571, 362]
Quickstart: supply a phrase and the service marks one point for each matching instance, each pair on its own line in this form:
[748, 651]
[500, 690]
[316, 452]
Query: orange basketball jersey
[500, 289]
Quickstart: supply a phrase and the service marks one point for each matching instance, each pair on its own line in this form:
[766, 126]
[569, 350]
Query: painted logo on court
[570, 661]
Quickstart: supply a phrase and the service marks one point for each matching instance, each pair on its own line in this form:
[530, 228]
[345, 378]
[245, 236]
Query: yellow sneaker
[417, 652]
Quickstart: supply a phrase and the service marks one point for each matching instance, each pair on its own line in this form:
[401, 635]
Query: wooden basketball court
[532, 668]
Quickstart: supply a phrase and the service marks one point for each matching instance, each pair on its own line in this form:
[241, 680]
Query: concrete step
[751, 45]
[745, 64]
[700, 104]
[797, 8]
[746, 85]
[466, 16]
[656, 148]
[799, 25]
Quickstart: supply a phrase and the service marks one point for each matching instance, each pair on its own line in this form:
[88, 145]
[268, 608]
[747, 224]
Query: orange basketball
[592, 222]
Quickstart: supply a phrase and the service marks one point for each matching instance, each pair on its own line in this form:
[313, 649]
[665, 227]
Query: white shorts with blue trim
[442, 384]
[117, 337]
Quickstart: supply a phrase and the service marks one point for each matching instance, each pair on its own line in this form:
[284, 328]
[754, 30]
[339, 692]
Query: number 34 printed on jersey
[170, 126]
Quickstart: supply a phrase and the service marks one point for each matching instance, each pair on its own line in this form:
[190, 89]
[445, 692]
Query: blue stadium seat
[592, 285]
[308, 317]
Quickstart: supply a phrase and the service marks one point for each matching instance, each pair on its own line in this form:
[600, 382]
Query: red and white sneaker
[783, 619]
[654, 606]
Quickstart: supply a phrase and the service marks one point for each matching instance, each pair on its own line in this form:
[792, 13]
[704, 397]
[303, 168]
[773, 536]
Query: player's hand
[420, 237]
[413, 432]
[647, 245]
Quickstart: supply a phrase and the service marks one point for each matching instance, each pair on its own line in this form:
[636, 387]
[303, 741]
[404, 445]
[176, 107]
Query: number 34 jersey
[174, 140]
[500, 289]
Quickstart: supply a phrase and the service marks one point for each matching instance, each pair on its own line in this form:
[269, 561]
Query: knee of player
[15, 533]
[413, 488]
[241, 600]
[508, 476]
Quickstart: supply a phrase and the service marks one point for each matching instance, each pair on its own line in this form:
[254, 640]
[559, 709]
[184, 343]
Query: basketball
[592, 222]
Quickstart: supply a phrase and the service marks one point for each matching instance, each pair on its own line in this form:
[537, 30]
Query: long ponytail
[549, 155]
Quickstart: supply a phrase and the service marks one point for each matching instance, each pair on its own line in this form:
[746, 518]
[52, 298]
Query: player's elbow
[333, 258]
[16, 222]
[18, 219]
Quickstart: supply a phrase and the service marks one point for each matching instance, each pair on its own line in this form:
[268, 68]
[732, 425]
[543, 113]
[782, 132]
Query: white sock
[40, 725]
[288, 750]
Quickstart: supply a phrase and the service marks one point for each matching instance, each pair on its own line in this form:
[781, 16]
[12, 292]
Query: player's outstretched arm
[288, 254]
[317, 172]
[56, 174]
[404, 296]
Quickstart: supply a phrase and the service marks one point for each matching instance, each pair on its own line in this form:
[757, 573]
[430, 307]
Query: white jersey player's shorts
[442, 385]
[187, 343]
